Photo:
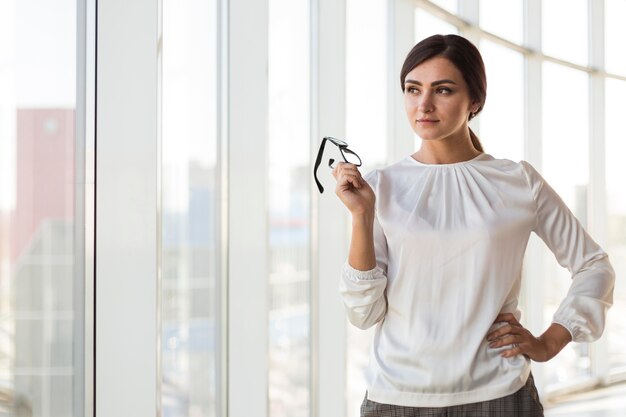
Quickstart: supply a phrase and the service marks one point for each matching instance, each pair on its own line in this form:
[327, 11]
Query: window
[426, 24]
[190, 250]
[505, 19]
[502, 119]
[366, 86]
[615, 33]
[565, 38]
[38, 285]
[289, 209]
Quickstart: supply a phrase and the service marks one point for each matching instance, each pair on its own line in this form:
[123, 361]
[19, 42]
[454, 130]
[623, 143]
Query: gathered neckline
[452, 164]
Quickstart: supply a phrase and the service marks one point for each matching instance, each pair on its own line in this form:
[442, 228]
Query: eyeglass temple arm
[318, 161]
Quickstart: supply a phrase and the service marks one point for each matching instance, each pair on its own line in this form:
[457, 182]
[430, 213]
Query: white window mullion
[533, 83]
[596, 201]
[401, 38]
[330, 234]
[222, 209]
[469, 11]
[84, 210]
[126, 206]
[247, 208]
[533, 291]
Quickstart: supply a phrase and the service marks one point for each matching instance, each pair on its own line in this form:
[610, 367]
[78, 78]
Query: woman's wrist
[363, 218]
[555, 339]
[362, 255]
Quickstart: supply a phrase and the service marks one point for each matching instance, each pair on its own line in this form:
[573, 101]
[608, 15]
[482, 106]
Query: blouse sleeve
[590, 295]
[363, 292]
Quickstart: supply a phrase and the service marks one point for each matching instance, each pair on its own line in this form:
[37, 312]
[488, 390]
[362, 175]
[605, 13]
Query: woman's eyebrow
[433, 84]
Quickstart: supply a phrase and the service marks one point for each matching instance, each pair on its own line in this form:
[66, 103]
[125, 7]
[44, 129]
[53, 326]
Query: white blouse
[449, 241]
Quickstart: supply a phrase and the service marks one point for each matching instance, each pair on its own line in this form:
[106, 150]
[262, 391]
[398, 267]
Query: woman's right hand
[353, 191]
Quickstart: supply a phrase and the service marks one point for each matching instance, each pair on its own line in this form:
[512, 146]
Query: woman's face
[437, 101]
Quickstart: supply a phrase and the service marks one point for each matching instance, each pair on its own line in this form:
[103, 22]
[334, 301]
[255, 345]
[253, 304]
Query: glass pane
[565, 38]
[366, 85]
[616, 205]
[189, 253]
[502, 119]
[37, 221]
[289, 208]
[565, 131]
[615, 33]
[503, 18]
[427, 25]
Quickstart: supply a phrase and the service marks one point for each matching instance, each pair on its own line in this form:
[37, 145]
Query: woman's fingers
[517, 349]
[348, 176]
[516, 338]
[352, 189]
[349, 179]
[510, 334]
[344, 166]
[511, 326]
[498, 332]
[501, 331]
[508, 339]
[518, 342]
[346, 173]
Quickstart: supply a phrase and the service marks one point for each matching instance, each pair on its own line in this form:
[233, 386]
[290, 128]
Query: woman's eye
[412, 90]
[444, 90]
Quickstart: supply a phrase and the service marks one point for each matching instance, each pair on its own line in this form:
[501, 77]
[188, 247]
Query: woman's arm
[359, 198]
[583, 310]
[362, 255]
[364, 280]
[581, 315]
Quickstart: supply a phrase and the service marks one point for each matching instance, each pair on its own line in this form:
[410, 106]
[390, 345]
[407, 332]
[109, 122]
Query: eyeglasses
[348, 156]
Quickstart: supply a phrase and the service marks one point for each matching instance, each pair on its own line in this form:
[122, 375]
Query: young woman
[435, 259]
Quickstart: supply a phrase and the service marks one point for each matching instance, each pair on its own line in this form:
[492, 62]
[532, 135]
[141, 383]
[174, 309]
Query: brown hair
[463, 55]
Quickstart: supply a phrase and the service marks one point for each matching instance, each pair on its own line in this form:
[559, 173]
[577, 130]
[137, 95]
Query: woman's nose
[425, 104]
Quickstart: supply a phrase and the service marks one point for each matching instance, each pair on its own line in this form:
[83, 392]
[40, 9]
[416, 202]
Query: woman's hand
[353, 191]
[539, 349]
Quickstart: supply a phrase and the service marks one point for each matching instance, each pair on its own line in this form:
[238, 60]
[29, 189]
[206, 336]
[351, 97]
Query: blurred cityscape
[36, 277]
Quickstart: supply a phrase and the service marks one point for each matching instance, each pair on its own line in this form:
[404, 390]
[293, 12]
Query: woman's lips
[427, 121]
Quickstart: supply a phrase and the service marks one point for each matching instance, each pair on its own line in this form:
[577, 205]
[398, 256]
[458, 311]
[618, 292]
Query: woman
[435, 259]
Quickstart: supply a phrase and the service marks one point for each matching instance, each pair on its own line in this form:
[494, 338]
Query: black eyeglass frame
[343, 148]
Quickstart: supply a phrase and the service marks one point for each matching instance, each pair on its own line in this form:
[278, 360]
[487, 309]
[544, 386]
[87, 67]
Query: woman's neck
[443, 153]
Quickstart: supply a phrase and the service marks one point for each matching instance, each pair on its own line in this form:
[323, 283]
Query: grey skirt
[523, 403]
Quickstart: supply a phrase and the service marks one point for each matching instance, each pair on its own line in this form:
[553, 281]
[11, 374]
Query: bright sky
[37, 69]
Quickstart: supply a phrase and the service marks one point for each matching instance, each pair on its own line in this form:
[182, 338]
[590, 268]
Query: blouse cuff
[357, 275]
[585, 327]
[568, 326]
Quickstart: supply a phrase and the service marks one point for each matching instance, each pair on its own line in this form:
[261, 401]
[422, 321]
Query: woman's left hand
[522, 341]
